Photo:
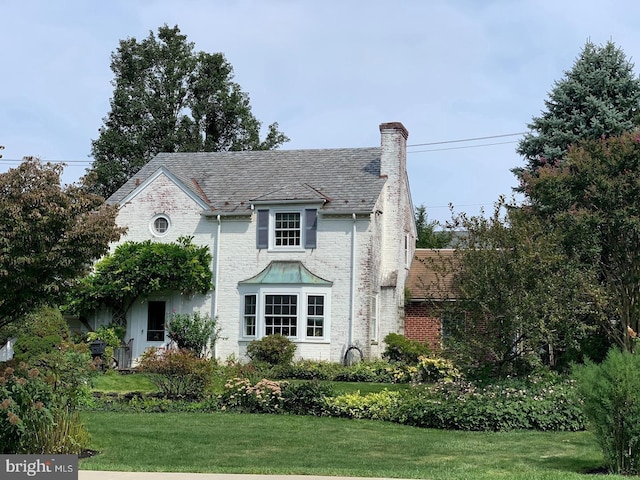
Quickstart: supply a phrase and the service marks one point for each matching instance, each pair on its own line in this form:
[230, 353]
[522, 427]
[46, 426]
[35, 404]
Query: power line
[459, 148]
[89, 162]
[467, 139]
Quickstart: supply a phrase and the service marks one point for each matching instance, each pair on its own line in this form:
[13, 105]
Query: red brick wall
[423, 324]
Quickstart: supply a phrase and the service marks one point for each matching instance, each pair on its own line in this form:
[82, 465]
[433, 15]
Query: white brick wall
[379, 255]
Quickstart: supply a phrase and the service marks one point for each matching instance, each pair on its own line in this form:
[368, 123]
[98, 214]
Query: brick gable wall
[422, 323]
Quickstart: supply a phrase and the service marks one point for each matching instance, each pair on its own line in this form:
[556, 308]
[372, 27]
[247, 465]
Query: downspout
[216, 273]
[352, 313]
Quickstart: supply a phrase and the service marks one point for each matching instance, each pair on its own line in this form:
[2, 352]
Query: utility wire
[467, 139]
[89, 162]
[458, 148]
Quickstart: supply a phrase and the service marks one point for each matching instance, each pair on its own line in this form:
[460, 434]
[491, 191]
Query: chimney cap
[395, 126]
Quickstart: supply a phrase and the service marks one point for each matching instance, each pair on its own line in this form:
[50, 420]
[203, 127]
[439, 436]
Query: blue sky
[328, 72]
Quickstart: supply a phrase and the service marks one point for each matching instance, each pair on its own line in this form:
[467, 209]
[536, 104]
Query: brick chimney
[393, 161]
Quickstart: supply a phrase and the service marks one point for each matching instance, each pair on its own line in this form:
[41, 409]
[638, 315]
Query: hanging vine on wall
[139, 269]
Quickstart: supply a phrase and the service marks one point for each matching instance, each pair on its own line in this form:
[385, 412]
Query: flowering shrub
[535, 404]
[35, 418]
[373, 406]
[241, 395]
[178, 373]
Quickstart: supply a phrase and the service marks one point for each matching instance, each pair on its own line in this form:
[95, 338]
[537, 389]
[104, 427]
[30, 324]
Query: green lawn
[116, 382]
[286, 444]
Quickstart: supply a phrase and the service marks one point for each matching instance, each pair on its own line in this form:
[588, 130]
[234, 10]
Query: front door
[156, 315]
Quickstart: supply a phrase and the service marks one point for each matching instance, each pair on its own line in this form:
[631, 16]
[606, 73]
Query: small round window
[160, 225]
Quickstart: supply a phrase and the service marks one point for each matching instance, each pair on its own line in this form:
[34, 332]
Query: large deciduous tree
[169, 98]
[594, 199]
[49, 236]
[599, 96]
[523, 299]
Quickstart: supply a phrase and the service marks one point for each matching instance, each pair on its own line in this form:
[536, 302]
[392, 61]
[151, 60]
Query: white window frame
[273, 213]
[152, 225]
[374, 325]
[245, 316]
[315, 317]
[302, 293]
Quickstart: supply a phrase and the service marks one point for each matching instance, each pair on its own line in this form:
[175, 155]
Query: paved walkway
[100, 475]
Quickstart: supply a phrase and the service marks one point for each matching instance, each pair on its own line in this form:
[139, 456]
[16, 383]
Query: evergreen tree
[599, 96]
[169, 98]
[428, 236]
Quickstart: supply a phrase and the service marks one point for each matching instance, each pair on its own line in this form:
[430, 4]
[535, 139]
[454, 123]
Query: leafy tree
[523, 300]
[594, 198]
[49, 236]
[599, 96]
[428, 237]
[139, 269]
[169, 98]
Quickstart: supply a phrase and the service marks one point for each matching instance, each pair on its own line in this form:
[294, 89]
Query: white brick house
[313, 244]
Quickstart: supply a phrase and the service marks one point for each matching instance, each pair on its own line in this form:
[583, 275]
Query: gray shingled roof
[347, 179]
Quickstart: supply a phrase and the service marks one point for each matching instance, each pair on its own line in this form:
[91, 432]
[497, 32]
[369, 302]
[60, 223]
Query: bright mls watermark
[50, 467]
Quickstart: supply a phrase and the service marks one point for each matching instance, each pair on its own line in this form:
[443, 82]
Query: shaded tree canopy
[169, 98]
[599, 96]
[49, 236]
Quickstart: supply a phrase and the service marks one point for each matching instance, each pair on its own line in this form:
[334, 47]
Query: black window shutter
[262, 240]
[311, 227]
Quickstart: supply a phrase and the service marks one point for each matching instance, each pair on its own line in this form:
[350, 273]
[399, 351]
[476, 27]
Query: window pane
[249, 315]
[287, 229]
[315, 316]
[281, 315]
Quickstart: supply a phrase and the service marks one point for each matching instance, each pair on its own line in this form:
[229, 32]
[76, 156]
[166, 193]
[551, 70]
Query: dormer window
[287, 229]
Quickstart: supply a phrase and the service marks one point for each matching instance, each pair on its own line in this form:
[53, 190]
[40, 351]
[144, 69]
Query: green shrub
[308, 370]
[242, 396]
[111, 335]
[379, 371]
[42, 332]
[35, 418]
[178, 373]
[535, 404]
[401, 349]
[194, 332]
[373, 406]
[434, 369]
[70, 370]
[272, 350]
[611, 395]
[306, 398]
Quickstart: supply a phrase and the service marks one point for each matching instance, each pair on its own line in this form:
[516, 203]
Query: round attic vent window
[160, 225]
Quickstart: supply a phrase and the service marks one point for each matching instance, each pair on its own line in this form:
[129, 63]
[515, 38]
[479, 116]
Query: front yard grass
[288, 444]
